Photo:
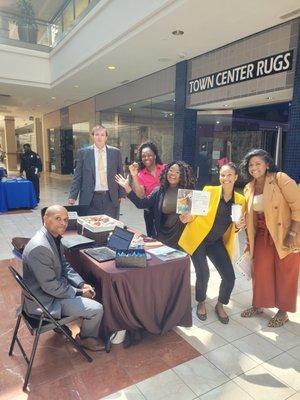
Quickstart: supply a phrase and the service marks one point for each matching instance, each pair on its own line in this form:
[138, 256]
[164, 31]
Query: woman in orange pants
[273, 226]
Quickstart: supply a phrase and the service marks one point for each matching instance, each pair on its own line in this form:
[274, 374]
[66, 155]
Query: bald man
[55, 283]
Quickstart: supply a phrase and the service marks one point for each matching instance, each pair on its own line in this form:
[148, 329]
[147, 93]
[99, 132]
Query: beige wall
[83, 111]
[157, 84]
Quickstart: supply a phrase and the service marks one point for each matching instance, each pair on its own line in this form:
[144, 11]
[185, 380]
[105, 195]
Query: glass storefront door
[224, 136]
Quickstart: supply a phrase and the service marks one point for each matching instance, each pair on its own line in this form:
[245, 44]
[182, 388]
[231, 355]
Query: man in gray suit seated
[94, 176]
[55, 283]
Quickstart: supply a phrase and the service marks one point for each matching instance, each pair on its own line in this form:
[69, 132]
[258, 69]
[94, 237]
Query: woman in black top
[167, 224]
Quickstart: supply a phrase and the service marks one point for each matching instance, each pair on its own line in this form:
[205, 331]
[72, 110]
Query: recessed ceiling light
[111, 67]
[177, 32]
[269, 98]
[53, 97]
[217, 122]
[76, 86]
[225, 105]
[129, 109]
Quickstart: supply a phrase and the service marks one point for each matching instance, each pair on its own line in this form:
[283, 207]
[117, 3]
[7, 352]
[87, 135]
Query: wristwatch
[292, 233]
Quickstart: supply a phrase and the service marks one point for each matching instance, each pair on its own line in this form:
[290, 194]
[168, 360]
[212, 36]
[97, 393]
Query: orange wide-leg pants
[275, 280]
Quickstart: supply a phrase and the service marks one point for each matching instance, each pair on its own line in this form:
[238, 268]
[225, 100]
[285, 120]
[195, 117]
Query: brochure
[166, 253]
[195, 202]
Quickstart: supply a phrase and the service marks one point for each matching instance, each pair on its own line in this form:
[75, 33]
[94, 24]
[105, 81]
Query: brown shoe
[89, 343]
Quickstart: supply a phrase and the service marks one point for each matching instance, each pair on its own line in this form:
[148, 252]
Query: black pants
[218, 255]
[149, 221]
[101, 204]
[31, 176]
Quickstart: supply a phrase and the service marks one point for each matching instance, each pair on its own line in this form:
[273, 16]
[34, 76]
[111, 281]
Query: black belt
[100, 192]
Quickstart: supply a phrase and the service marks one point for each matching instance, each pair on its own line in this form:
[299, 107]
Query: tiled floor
[243, 360]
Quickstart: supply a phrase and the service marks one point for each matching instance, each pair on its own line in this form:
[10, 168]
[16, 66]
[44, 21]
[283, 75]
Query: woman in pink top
[145, 176]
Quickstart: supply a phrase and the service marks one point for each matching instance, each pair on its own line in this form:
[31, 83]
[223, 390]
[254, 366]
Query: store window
[81, 136]
[148, 120]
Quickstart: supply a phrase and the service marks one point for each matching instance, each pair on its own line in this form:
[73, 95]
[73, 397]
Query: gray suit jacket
[49, 277]
[84, 175]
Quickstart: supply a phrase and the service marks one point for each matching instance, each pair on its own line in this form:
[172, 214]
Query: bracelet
[292, 233]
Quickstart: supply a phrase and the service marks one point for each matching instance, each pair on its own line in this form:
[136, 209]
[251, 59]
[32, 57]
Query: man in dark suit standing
[94, 176]
[32, 165]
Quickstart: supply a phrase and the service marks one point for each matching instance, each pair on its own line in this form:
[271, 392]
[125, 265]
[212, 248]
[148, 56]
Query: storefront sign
[256, 69]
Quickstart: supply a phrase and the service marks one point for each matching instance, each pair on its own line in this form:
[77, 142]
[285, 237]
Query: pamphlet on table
[166, 253]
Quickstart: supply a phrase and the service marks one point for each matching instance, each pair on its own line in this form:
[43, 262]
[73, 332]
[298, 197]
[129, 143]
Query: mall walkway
[242, 360]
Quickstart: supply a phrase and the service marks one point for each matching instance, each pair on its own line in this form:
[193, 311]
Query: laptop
[120, 239]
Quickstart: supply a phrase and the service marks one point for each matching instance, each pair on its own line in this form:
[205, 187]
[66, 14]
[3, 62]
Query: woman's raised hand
[123, 182]
[134, 169]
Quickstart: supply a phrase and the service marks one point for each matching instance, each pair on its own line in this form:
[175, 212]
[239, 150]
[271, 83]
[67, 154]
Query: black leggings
[218, 255]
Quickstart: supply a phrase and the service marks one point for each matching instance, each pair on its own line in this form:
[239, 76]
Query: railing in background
[47, 34]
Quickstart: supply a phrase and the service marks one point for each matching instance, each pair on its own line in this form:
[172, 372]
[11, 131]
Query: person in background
[273, 231]
[32, 165]
[56, 284]
[145, 177]
[203, 168]
[94, 176]
[213, 236]
[163, 200]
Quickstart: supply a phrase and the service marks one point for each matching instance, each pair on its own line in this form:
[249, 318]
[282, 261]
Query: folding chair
[38, 324]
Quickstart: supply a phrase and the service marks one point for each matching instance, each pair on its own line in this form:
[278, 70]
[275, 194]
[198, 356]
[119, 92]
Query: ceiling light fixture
[177, 32]
[76, 86]
[129, 109]
[53, 97]
[269, 98]
[111, 67]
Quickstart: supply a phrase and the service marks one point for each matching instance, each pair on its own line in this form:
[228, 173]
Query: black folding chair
[38, 324]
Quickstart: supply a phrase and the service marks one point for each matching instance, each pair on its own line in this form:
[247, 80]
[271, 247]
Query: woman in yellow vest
[213, 236]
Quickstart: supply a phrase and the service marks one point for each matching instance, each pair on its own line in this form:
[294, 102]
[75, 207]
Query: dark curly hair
[244, 166]
[152, 147]
[187, 179]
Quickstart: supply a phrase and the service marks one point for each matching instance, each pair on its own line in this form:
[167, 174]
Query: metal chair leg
[32, 355]
[15, 335]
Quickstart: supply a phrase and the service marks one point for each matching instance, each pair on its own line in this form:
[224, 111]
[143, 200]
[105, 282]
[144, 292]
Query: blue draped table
[17, 194]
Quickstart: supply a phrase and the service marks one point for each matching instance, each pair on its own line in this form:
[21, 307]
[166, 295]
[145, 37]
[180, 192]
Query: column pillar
[38, 136]
[185, 120]
[292, 143]
[10, 144]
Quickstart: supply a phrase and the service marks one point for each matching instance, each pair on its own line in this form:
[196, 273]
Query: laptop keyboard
[102, 253]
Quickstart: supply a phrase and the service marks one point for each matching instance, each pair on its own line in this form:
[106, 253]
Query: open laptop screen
[120, 239]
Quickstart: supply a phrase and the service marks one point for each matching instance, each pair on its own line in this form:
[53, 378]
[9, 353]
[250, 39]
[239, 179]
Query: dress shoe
[202, 317]
[90, 343]
[224, 320]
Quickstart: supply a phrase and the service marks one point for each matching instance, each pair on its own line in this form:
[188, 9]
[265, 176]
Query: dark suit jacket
[49, 277]
[84, 175]
[154, 202]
